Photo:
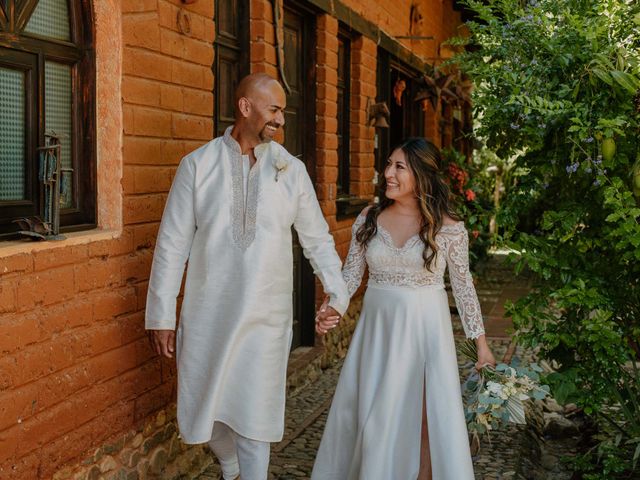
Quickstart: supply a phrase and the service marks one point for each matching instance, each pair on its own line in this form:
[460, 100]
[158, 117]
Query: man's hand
[163, 342]
[326, 318]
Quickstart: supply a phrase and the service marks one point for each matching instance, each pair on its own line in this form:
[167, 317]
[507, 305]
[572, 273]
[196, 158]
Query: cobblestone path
[307, 407]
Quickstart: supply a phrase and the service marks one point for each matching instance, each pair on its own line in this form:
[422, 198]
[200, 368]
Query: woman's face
[401, 182]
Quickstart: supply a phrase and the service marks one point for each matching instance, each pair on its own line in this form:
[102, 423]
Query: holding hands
[326, 318]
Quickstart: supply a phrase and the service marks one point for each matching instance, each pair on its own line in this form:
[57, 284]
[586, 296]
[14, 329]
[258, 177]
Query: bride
[399, 386]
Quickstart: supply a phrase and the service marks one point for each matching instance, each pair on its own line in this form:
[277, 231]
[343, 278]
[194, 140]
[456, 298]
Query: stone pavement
[307, 407]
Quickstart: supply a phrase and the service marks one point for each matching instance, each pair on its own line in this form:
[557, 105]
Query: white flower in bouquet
[494, 396]
[280, 164]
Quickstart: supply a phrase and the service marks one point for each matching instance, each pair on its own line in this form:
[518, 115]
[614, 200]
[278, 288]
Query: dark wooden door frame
[306, 281]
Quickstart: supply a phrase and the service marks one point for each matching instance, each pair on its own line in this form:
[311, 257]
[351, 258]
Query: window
[344, 81]
[47, 84]
[231, 59]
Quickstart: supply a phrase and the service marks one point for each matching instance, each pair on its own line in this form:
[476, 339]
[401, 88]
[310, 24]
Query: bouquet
[494, 396]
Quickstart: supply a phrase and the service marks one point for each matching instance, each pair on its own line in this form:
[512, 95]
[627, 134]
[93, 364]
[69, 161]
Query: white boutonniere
[280, 164]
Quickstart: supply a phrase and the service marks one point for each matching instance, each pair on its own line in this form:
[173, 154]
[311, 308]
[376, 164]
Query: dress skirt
[402, 346]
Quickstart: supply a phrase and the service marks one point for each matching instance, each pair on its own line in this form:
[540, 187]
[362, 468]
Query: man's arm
[318, 245]
[175, 237]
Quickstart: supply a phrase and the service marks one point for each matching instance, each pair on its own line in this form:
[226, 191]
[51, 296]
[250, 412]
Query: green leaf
[602, 75]
[625, 80]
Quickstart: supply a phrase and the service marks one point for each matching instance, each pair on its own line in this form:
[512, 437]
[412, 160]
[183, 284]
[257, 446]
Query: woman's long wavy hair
[432, 193]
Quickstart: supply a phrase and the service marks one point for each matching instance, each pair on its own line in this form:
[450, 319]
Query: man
[229, 213]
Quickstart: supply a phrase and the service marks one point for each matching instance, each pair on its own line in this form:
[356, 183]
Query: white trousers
[239, 455]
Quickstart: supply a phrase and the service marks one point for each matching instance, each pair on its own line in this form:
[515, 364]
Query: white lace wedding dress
[403, 346]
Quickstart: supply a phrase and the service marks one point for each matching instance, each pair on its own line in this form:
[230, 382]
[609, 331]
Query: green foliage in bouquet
[494, 397]
[558, 89]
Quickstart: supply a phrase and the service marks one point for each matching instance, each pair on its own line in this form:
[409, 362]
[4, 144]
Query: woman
[402, 357]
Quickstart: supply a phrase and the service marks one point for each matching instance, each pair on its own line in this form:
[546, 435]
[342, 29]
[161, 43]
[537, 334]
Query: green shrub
[557, 90]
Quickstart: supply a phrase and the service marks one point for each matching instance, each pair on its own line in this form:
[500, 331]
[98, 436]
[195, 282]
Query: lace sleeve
[355, 263]
[461, 282]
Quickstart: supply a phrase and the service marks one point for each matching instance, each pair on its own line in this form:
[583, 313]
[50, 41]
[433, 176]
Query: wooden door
[299, 132]
[231, 59]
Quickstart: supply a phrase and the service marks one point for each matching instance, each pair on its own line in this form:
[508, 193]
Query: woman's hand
[326, 318]
[485, 356]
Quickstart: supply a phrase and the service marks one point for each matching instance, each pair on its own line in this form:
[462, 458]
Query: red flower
[475, 233]
[470, 195]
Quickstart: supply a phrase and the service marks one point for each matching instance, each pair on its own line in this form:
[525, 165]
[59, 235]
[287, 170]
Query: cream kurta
[234, 335]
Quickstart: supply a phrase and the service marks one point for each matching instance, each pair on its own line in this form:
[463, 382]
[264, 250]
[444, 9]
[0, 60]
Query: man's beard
[266, 135]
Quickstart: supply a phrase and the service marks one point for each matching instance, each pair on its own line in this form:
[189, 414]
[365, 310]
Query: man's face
[266, 115]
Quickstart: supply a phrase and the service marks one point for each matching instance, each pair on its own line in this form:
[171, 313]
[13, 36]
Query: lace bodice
[404, 266]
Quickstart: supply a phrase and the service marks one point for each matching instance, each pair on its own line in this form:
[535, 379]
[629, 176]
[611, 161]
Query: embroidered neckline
[243, 217]
[388, 238]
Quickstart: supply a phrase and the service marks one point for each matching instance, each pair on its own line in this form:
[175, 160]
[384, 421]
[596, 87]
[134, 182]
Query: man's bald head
[260, 106]
[253, 84]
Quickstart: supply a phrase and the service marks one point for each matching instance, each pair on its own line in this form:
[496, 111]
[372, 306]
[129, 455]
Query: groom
[229, 214]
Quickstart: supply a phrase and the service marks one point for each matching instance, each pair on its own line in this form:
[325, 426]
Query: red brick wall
[75, 365]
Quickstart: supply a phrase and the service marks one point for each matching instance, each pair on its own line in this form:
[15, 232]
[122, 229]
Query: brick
[97, 273]
[136, 267]
[190, 126]
[327, 125]
[172, 43]
[117, 246]
[186, 73]
[8, 298]
[327, 75]
[328, 41]
[144, 236]
[115, 362]
[167, 14]
[142, 150]
[328, 58]
[45, 288]
[36, 361]
[171, 97]
[141, 293]
[137, 6]
[326, 108]
[22, 263]
[262, 31]
[328, 92]
[327, 174]
[197, 51]
[152, 179]
[45, 260]
[327, 23]
[154, 400]
[173, 151]
[19, 331]
[146, 64]
[128, 187]
[151, 122]
[326, 157]
[261, 10]
[141, 30]
[65, 316]
[140, 91]
[28, 466]
[113, 303]
[263, 52]
[198, 102]
[360, 174]
[327, 140]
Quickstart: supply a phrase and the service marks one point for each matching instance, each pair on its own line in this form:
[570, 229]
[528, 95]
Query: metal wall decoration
[47, 226]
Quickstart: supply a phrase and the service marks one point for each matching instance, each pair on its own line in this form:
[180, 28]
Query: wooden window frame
[79, 53]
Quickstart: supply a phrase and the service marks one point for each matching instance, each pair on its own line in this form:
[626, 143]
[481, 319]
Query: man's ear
[244, 106]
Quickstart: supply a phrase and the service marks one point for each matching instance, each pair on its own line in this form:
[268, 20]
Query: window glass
[12, 141]
[50, 19]
[57, 96]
